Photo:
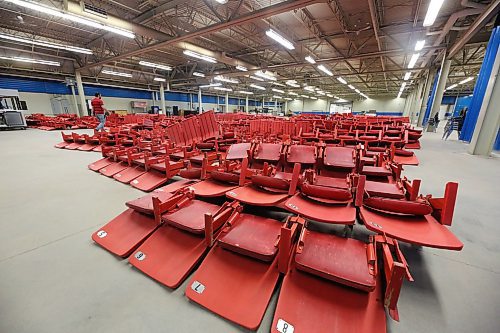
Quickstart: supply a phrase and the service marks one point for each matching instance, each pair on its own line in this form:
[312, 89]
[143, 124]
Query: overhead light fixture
[336, 97]
[322, 93]
[242, 68]
[211, 85]
[71, 17]
[153, 65]
[420, 45]
[341, 80]
[407, 76]
[256, 78]
[198, 74]
[357, 90]
[364, 95]
[432, 12]
[325, 70]
[46, 44]
[196, 55]
[278, 90]
[312, 97]
[109, 72]
[466, 80]
[403, 86]
[265, 76]
[329, 95]
[453, 86]
[413, 60]
[310, 59]
[245, 92]
[223, 89]
[225, 79]
[309, 88]
[292, 83]
[399, 94]
[279, 84]
[160, 79]
[280, 39]
[257, 87]
[32, 61]
[221, 1]
[288, 98]
[351, 87]
[292, 93]
[305, 96]
[277, 97]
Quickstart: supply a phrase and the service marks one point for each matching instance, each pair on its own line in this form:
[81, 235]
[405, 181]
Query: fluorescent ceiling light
[288, 98]
[402, 86]
[413, 60]
[351, 87]
[211, 85]
[265, 76]
[453, 86]
[336, 97]
[221, 1]
[420, 45]
[310, 59]
[278, 91]
[198, 74]
[312, 97]
[245, 92]
[159, 66]
[325, 70]
[466, 80]
[159, 79]
[292, 83]
[292, 93]
[256, 78]
[278, 84]
[106, 71]
[71, 17]
[309, 88]
[329, 95]
[322, 93]
[432, 12]
[257, 87]
[46, 44]
[399, 94]
[223, 88]
[32, 61]
[364, 95]
[196, 55]
[341, 80]
[280, 39]
[305, 96]
[277, 97]
[242, 68]
[407, 76]
[357, 90]
[225, 79]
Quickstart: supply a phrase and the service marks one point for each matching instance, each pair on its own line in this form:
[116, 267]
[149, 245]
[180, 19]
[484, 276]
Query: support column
[488, 120]
[162, 98]
[285, 112]
[425, 97]
[408, 103]
[227, 102]
[73, 99]
[417, 102]
[81, 94]
[168, 85]
[441, 86]
[246, 104]
[200, 103]
[263, 102]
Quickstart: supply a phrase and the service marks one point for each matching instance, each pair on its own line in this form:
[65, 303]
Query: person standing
[99, 111]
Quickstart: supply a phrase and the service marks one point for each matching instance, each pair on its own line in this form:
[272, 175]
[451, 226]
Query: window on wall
[340, 108]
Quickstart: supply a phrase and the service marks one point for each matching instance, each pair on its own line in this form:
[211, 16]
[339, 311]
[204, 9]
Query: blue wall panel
[90, 90]
[430, 100]
[481, 85]
[462, 102]
[34, 85]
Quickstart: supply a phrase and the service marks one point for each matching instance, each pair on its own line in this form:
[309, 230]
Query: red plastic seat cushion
[144, 204]
[402, 152]
[400, 207]
[161, 166]
[238, 151]
[271, 183]
[225, 177]
[368, 137]
[301, 154]
[377, 149]
[386, 190]
[341, 157]
[205, 145]
[346, 137]
[192, 173]
[191, 217]
[323, 192]
[253, 236]
[375, 171]
[338, 259]
[268, 152]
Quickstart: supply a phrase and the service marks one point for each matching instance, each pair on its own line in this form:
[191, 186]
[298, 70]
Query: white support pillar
[227, 102]
[263, 102]
[285, 112]
[162, 99]
[200, 103]
[168, 85]
[425, 99]
[246, 104]
[153, 97]
[81, 94]
[488, 120]
[73, 99]
[417, 102]
[438, 97]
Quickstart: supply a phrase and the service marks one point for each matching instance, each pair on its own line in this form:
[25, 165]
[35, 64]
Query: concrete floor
[54, 279]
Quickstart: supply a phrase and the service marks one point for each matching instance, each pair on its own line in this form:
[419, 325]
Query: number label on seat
[135, 181]
[140, 256]
[102, 234]
[198, 287]
[284, 327]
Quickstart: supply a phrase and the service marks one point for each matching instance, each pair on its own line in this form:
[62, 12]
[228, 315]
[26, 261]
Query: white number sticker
[231, 193]
[135, 181]
[284, 327]
[198, 287]
[102, 234]
[118, 175]
[104, 170]
[293, 206]
[140, 256]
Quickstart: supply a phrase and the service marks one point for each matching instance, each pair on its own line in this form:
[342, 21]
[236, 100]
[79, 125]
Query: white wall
[379, 105]
[37, 103]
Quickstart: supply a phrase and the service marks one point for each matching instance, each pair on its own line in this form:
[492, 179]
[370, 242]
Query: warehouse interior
[249, 165]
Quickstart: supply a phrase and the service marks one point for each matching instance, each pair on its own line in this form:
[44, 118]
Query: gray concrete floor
[54, 279]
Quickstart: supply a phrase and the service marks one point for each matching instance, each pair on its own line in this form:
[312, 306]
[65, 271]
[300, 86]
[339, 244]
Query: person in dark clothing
[461, 120]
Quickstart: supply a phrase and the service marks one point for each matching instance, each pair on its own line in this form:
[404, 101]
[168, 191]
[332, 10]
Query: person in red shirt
[99, 111]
